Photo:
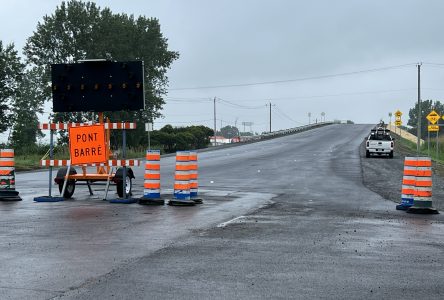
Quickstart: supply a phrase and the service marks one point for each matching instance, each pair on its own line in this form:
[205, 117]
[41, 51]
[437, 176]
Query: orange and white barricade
[151, 183]
[408, 183]
[182, 180]
[422, 202]
[194, 176]
[7, 176]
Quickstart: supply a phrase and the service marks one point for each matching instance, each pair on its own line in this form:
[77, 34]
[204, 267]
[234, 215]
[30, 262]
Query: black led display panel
[97, 86]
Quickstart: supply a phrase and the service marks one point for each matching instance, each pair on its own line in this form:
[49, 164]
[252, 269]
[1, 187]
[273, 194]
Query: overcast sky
[234, 42]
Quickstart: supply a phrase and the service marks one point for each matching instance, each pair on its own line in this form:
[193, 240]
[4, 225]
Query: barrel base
[48, 199]
[181, 202]
[151, 201]
[402, 207]
[422, 210]
[197, 200]
[123, 201]
[9, 195]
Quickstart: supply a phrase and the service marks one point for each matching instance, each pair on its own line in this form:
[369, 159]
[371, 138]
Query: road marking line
[228, 222]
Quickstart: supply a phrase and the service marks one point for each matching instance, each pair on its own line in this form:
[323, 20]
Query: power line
[294, 80]
[238, 105]
[282, 114]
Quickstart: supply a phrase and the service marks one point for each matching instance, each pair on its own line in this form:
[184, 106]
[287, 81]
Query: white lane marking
[228, 222]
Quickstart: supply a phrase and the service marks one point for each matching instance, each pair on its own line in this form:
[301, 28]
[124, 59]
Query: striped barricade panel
[65, 126]
[111, 163]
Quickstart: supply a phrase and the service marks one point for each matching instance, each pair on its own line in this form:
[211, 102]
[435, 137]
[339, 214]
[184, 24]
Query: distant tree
[11, 72]
[229, 131]
[246, 133]
[182, 138]
[80, 30]
[27, 104]
[426, 107]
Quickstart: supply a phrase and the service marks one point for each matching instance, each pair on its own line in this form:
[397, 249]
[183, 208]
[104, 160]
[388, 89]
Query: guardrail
[283, 132]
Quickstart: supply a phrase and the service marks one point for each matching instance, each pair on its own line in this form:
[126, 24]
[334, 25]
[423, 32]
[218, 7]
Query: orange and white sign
[87, 144]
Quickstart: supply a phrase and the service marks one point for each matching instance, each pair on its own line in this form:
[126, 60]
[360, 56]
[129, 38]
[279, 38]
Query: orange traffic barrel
[422, 202]
[151, 179]
[7, 176]
[194, 176]
[182, 180]
[408, 183]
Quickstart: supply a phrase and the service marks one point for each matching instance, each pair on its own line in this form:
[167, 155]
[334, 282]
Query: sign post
[398, 121]
[433, 118]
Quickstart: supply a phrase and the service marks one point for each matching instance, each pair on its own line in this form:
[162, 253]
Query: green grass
[411, 148]
[31, 161]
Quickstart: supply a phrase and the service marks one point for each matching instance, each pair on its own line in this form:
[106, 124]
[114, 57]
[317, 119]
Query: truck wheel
[367, 154]
[70, 184]
[391, 154]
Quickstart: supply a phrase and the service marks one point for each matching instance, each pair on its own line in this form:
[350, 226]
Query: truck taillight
[392, 144]
[367, 144]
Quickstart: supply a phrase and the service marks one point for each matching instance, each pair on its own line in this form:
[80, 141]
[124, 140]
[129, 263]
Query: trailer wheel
[119, 186]
[69, 190]
[70, 184]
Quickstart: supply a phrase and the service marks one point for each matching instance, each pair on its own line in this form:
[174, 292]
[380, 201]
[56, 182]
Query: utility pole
[418, 139]
[270, 112]
[309, 118]
[214, 121]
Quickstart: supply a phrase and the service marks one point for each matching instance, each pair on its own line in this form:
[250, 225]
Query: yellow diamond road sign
[433, 117]
[433, 128]
[398, 113]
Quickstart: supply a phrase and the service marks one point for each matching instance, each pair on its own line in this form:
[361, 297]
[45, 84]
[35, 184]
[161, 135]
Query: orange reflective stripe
[151, 176]
[7, 163]
[194, 185]
[410, 163]
[151, 185]
[7, 153]
[181, 158]
[424, 163]
[182, 177]
[408, 191]
[149, 166]
[181, 186]
[423, 193]
[182, 167]
[5, 172]
[424, 183]
[409, 181]
[193, 176]
[154, 157]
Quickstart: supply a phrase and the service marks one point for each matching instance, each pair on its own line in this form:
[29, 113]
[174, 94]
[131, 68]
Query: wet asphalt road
[284, 218]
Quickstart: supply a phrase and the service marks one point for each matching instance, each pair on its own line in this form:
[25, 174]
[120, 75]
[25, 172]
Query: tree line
[79, 30]
[426, 107]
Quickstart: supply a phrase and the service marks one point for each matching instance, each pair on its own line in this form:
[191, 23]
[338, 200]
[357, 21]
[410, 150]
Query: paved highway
[283, 218]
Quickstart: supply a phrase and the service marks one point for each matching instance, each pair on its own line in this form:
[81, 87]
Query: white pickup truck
[379, 142]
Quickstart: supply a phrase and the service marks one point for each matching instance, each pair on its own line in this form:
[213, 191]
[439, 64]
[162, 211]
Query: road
[284, 218]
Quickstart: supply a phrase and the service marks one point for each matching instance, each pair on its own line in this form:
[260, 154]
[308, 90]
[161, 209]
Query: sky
[350, 59]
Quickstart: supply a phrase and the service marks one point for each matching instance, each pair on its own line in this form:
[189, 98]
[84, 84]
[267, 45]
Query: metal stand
[50, 198]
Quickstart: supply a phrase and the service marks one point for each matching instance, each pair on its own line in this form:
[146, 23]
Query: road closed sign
[87, 144]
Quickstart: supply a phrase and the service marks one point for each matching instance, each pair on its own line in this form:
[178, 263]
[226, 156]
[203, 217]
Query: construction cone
[7, 176]
[182, 181]
[422, 202]
[151, 185]
[408, 184]
[194, 175]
